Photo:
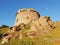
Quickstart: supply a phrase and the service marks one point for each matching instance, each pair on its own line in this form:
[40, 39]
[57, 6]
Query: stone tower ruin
[26, 15]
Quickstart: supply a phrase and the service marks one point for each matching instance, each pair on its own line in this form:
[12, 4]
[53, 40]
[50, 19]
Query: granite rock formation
[38, 25]
[26, 15]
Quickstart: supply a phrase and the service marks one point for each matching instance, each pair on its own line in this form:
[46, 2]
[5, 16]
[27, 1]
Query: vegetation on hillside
[3, 29]
[50, 39]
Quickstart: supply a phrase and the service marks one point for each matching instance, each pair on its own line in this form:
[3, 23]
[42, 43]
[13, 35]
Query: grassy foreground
[51, 39]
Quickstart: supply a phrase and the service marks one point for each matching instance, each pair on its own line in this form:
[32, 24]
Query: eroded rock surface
[38, 25]
[26, 16]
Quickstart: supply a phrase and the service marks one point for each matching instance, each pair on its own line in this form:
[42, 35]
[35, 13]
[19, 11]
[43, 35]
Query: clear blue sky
[8, 9]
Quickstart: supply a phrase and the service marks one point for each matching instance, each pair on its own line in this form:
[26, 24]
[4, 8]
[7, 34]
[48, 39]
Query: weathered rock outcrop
[38, 25]
[26, 16]
[42, 26]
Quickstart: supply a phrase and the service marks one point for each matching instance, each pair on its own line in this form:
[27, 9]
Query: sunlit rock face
[28, 24]
[43, 25]
[26, 15]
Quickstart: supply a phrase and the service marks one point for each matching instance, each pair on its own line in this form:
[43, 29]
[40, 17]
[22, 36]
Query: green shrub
[27, 26]
[4, 26]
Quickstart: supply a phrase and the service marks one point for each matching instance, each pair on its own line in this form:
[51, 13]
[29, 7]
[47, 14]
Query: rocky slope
[29, 24]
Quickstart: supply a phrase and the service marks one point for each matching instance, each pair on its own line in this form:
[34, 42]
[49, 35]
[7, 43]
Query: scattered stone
[31, 34]
[21, 26]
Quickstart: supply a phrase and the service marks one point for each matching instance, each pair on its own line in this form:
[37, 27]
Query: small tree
[4, 26]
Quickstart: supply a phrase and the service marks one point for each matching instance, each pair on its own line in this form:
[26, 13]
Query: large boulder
[42, 25]
[26, 15]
